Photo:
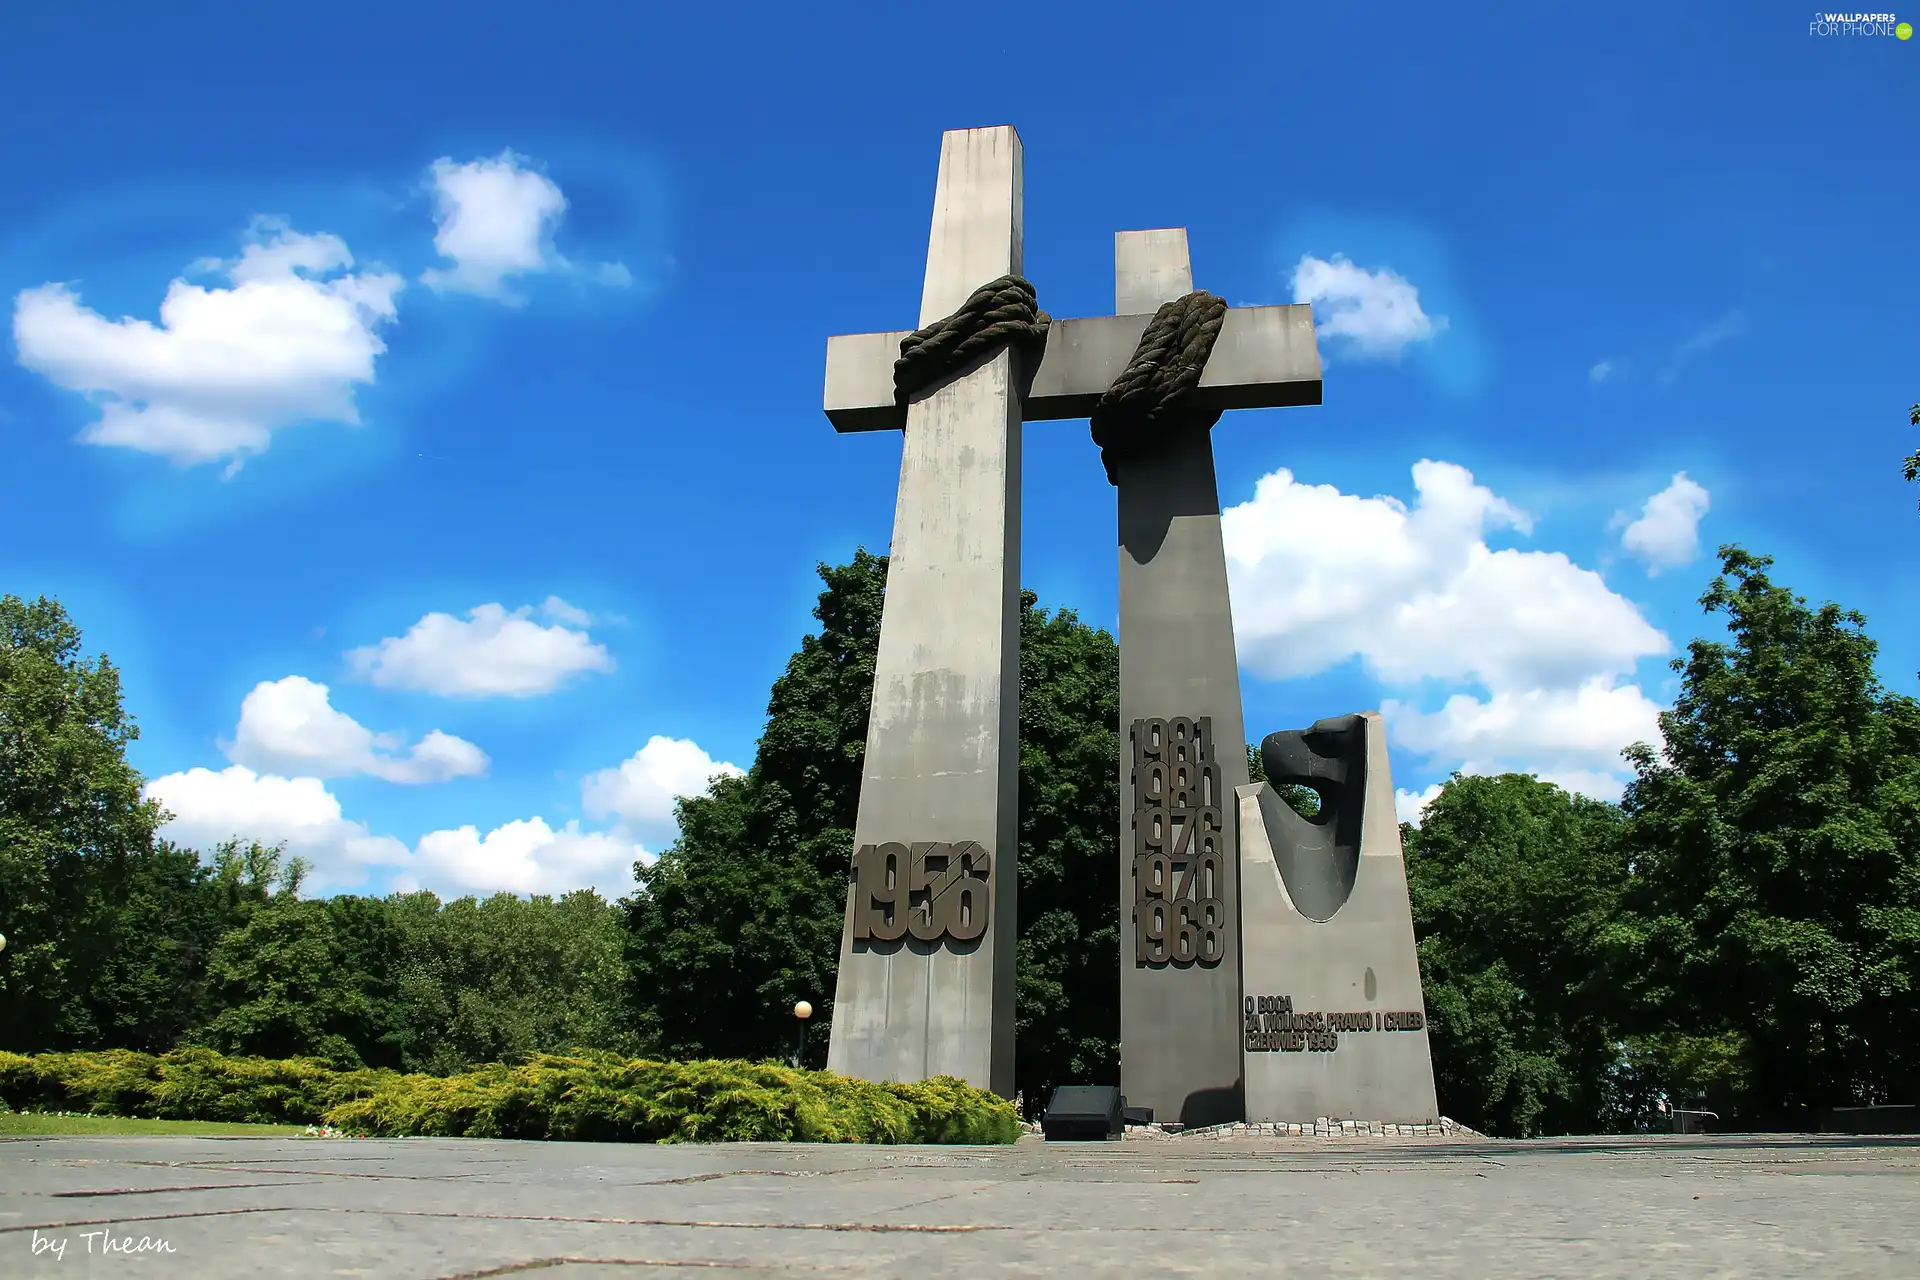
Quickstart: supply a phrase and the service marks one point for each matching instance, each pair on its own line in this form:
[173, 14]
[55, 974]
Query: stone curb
[1322, 1128]
[1325, 1127]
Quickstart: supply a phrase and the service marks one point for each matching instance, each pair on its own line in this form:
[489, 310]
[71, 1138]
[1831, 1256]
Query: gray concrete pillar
[1179, 697]
[927, 951]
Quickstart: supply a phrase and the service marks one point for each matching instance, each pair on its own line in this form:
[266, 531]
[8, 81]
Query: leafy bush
[585, 1098]
[187, 1084]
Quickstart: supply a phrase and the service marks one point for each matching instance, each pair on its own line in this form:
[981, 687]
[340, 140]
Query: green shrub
[199, 1084]
[116, 1082]
[583, 1098]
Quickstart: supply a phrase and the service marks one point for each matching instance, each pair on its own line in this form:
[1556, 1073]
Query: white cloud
[1573, 732]
[1667, 534]
[1586, 782]
[1698, 343]
[1601, 371]
[560, 611]
[210, 807]
[1320, 577]
[1411, 806]
[289, 726]
[288, 342]
[496, 220]
[493, 653]
[438, 757]
[531, 856]
[524, 856]
[641, 790]
[1370, 314]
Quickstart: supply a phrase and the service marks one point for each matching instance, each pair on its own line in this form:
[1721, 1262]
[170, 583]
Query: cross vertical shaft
[1180, 1030]
[942, 759]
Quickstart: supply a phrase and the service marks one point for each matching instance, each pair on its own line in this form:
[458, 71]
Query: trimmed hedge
[584, 1098]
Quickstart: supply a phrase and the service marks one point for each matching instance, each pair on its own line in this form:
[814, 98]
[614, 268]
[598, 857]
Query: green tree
[1515, 886]
[71, 822]
[1775, 841]
[1067, 1007]
[407, 982]
[500, 979]
[1305, 800]
[286, 988]
[170, 912]
[1911, 467]
[742, 915]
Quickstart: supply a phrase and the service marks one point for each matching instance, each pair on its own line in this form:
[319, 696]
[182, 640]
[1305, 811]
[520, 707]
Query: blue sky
[421, 405]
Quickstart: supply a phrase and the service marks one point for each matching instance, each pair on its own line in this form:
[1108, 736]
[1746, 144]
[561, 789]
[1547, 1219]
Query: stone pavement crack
[160, 1191]
[329, 1158]
[332, 1157]
[542, 1264]
[921, 1204]
[150, 1217]
[326, 1173]
[740, 1173]
[878, 1228]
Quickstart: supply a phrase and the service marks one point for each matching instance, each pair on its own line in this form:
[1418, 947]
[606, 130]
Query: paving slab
[438, 1209]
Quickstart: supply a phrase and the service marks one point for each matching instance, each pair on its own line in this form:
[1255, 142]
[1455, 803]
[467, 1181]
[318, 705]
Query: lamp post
[801, 1011]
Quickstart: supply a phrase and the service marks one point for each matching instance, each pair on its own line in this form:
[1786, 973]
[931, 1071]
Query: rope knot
[1151, 399]
[998, 312]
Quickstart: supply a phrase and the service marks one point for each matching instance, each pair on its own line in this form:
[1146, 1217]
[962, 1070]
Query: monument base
[1385, 1133]
[1334, 1018]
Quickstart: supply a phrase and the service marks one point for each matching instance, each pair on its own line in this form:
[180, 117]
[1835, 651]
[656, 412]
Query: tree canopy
[72, 821]
[1773, 919]
[742, 915]
[1515, 885]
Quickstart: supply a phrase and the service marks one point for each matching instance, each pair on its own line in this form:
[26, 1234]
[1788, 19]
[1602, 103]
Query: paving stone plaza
[1192, 1205]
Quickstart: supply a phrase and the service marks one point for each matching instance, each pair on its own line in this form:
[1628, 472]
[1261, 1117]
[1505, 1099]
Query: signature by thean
[100, 1242]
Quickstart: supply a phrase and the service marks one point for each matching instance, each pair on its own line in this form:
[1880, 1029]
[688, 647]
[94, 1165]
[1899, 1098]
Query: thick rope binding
[998, 312]
[1151, 400]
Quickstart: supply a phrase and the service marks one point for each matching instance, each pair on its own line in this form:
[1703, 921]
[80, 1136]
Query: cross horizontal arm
[1265, 357]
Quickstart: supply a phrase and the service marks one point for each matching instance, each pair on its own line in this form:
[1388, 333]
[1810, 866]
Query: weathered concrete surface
[1179, 1023]
[1264, 357]
[422, 1208]
[943, 742]
[1362, 959]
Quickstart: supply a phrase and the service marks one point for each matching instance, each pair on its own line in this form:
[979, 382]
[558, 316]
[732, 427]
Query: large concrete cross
[926, 980]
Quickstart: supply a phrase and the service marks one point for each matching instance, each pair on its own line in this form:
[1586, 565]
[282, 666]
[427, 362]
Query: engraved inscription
[1179, 844]
[1272, 1026]
[929, 890]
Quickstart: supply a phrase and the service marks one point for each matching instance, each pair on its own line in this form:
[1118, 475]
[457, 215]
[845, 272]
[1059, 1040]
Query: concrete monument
[926, 965]
[1182, 742]
[1333, 1015]
[927, 950]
